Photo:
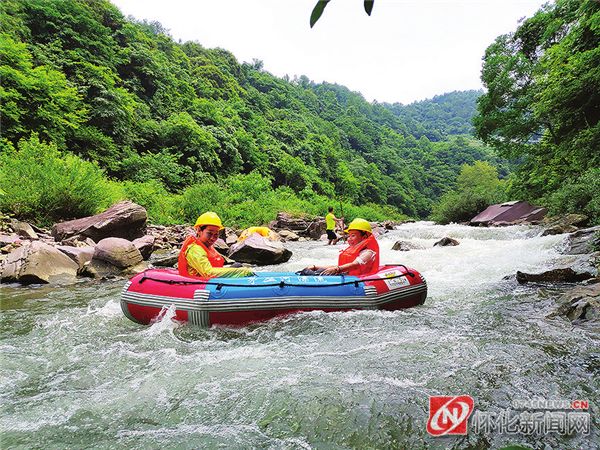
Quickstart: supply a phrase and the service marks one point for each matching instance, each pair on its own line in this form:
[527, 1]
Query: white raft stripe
[291, 302]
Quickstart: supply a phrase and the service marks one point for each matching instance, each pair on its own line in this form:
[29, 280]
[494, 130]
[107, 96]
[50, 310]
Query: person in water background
[361, 257]
[331, 221]
[199, 258]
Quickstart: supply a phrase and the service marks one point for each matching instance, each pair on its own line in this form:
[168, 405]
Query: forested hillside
[443, 115]
[165, 118]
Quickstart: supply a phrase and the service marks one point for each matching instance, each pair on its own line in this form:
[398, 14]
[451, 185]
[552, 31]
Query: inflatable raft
[240, 301]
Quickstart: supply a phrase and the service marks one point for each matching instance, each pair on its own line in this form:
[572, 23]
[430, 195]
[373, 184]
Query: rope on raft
[282, 283]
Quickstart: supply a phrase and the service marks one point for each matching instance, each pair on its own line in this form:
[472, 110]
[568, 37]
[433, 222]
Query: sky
[407, 50]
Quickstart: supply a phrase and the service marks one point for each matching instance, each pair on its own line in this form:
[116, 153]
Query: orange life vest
[215, 259]
[349, 254]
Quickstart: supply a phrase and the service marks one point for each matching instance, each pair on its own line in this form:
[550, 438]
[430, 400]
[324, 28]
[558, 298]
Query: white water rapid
[75, 373]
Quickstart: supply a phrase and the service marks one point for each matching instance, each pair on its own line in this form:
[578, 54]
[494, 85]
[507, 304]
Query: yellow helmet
[359, 224]
[209, 218]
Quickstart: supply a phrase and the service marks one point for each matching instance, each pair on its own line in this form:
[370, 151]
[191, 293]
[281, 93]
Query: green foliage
[152, 195]
[44, 185]
[478, 187]
[542, 104]
[247, 200]
[123, 94]
[34, 98]
[578, 196]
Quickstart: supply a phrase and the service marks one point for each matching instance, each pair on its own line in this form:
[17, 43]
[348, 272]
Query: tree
[542, 104]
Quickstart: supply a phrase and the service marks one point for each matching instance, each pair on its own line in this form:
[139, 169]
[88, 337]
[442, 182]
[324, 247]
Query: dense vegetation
[172, 125]
[542, 106]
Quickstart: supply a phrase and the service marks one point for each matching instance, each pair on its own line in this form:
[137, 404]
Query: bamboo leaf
[317, 11]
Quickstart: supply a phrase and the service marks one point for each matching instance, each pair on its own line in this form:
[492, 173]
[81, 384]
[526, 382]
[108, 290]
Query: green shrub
[152, 195]
[581, 196]
[246, 200]
[478, 187]
[42, 185]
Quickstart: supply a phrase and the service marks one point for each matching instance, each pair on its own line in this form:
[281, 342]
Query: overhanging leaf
[369, 6]
[317, 11]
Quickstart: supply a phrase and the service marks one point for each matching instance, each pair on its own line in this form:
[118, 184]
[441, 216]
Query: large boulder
[583, 241]
[145, 245]
[221, 247]
[302, 227]
[446, 241]
[260, 251]
[560, 275]
[579, 304]
[125, 220]
[287, 235]
[230, 236]
[38, 262]
[80, 255]
[23, 229]
[509, 213]
[118, 252]
[405, 246]
[164, 258]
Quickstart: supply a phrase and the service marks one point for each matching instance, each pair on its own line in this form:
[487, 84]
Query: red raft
[240, 301]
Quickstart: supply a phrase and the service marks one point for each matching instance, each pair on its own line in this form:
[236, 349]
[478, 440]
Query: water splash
[75, 372]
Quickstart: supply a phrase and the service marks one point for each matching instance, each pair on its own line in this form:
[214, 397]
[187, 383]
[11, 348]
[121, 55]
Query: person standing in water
[331, 221]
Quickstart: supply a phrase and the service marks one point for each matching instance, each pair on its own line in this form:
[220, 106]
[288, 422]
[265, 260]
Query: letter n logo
[449, 415]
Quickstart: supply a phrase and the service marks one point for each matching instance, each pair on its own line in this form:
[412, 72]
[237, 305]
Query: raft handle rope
[282, 283]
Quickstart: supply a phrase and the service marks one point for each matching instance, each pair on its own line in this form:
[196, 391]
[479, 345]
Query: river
[75, 373]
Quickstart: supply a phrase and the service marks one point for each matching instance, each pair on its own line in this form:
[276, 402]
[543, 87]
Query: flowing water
[75, 373]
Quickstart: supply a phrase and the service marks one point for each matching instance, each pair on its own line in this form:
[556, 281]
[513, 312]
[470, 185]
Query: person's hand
[331, 270]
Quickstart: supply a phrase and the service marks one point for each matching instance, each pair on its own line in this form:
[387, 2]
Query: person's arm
[363, 258]
[198, 260]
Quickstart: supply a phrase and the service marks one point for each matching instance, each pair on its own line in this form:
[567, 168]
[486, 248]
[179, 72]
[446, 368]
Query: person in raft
[330, 222]
[198, 257]
[361, 257]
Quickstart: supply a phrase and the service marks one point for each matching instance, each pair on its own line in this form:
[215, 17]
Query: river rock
[145, 245]
[164, 258]
[6, 239]
[258, 250]
[230, 236]
[405, 246]
[446, 241]
[78, 241]
[118, 252]
[100, 269]
[302, 227]
[583, 241]
[125, 220]
[24, 230]
[221, 247]
[315, 229]
[80, 255]
[560, 275]
[579, 304]
[37, 262]
[287, 235]
[377, 230]
[559, 229]
[563, 224]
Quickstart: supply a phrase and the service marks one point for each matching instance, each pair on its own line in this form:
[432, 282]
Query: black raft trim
[282, 283]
